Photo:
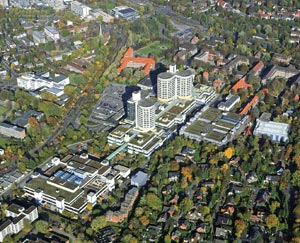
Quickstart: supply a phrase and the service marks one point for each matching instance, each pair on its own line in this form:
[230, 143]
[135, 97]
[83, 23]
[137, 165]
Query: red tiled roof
[205, 74]
[252, 103]
[241, 84]
[128, 60]
[258, 67]
[265, 90]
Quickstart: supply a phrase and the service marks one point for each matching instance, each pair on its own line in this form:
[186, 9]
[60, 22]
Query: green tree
[153, 201]
[240, 226]
[42, 226]
[98, 223]
[272, 221]
[186, 205]
[296, 179]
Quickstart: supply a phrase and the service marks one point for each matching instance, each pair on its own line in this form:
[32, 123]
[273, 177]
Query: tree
[153, 201]
[89, 206]
[98, 223]
[187, 173]
[33, 122]
[42, 226]
[240, 226]
[22, 167]
[144, 220]
[274, 205]
[296, 179]
[228, 153]
[167, 239]
[272, 221]
[186, 205]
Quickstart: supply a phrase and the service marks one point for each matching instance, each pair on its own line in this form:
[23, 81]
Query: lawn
[156, 48]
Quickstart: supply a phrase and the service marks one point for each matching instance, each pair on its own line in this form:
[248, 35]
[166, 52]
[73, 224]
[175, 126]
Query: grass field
[156, 48]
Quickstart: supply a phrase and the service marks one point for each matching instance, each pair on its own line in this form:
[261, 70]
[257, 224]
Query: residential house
[51, 33]
[281, 59]
[38, 37]
[201, 227]
[251, 177]
[256, 70]
[218, 84]
[221, 232]
[77, 66]
[250, 105]
[274, 179]
[279, 72]
[173, 176]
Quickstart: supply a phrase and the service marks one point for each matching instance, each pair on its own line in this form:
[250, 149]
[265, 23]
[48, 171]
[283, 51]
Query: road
[13, 80]
[176, 16]
[69, 117]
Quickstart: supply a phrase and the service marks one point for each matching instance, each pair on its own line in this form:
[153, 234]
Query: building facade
[10, 130]
[38, 37]
[277, 131]
[51, 33]
[16, 215]
[32, 81]
[80, 9]
[175, 84]
[145, 115]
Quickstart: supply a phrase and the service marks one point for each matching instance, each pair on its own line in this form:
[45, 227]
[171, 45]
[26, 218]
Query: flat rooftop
[41, 183]
[120, 131]
[270, 127]
[212, 125]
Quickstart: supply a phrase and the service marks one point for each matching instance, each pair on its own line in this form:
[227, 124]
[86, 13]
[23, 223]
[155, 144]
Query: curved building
[173, 84]
[184, 81]
[165, 86]
[145, 115]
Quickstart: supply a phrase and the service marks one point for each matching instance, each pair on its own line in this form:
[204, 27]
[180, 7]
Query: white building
[175, 84]
[106, 18]
[38, 37]
[72, 182]
[80, 9]
[32, 81]
[145, 115]
[18, 215]
[51, 33]
[276, 131]
[10, 130]
[125, 12]
[231, 101]
[55, 4]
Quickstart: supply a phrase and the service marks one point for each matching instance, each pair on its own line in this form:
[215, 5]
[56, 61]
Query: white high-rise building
[80, 9]
[175, 84]
[145, 115]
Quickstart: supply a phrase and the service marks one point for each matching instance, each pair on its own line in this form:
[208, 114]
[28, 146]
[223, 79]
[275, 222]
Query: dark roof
[22, 121]
[14, 208]
[5, 224]
[30, 209]
[127, 11]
